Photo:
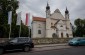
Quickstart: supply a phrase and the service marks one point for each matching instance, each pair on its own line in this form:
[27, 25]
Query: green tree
[80, 27]
[5, 7]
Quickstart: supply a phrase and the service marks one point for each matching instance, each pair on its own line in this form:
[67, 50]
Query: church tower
[67, 19]
[68, 24]
[47, 11]
[48, 21]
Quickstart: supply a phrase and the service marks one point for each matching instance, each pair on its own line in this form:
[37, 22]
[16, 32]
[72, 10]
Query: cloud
[38, 7]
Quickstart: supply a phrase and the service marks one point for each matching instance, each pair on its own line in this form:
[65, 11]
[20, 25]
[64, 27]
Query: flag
[27, 19]
[9, 17]
[18, 19]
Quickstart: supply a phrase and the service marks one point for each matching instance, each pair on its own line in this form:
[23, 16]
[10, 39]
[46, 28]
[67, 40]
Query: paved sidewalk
[39, 48]
[50, 45]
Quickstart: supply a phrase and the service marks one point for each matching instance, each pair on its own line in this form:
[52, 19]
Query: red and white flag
[18, 19]
[27, 19]
[9, 17]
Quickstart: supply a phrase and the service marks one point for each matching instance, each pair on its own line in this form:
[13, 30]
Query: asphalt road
[80, 50]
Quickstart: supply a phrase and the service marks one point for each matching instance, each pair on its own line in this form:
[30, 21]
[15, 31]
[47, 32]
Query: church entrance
[67, 35]
[54, 35]
[61, 35]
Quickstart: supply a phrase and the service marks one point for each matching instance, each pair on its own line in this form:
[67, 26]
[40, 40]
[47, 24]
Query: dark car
[77, 41]
[20, 43]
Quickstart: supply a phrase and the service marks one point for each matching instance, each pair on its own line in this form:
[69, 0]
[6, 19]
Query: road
[80, 50]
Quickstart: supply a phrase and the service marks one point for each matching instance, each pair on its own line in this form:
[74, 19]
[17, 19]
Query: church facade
[55, 25]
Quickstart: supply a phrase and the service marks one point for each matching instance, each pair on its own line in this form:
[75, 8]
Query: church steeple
[66, 12]
[47, 7]
[47, 10]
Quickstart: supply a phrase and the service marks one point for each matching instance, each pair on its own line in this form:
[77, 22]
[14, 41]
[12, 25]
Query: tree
[80, 27]
[5, 7]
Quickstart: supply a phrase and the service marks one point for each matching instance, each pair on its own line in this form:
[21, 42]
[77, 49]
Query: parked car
[77, 41]
[20, 43]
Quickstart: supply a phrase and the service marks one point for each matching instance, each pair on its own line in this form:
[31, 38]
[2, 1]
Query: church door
[67, 35]
[61, 35]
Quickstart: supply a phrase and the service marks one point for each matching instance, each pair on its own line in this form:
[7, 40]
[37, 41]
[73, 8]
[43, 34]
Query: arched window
[39, 31]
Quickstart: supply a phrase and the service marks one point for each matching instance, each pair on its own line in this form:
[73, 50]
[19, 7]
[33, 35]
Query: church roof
[57, 11]
[39, 19]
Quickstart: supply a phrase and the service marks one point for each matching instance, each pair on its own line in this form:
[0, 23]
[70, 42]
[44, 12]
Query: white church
[55, 25]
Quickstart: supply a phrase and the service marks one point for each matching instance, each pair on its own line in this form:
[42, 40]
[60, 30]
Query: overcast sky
[37, 7]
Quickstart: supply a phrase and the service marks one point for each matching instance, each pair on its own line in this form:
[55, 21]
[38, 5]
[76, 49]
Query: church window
[39, 31]
[61, 35]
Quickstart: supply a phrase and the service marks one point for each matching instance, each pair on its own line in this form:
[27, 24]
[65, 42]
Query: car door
[20, 43]
[11, 44]
[82, 41]
[14, 43]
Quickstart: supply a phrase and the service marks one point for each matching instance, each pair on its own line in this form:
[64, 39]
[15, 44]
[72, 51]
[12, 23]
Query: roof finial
[66, 8]
[48, 3]
[47, 7]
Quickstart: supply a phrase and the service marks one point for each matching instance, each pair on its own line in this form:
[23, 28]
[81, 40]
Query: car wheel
[26, 48]
[1, 51]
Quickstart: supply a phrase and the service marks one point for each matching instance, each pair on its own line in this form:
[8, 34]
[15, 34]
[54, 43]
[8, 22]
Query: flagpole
[10, 32]
[29, 31]
[20, 30]
[9, 22]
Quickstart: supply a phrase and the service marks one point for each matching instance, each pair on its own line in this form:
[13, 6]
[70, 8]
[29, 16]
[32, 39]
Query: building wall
[48, 28]
[37, 25]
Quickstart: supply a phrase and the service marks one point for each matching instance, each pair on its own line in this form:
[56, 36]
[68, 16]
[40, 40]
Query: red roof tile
[39, 19]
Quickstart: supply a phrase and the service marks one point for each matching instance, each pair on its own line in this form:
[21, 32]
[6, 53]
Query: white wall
[36, 27]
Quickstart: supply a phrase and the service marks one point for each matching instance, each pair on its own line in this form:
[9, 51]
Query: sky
[37, 8]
